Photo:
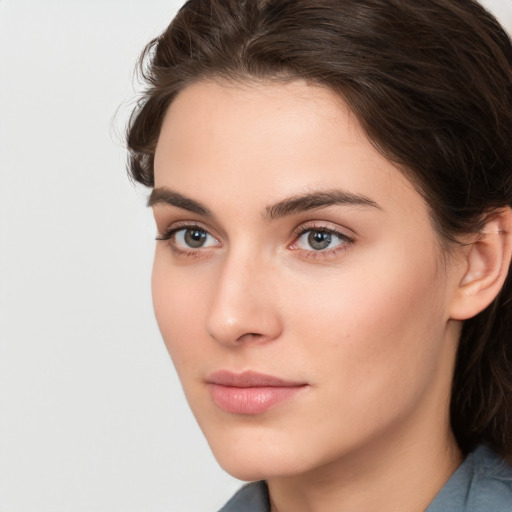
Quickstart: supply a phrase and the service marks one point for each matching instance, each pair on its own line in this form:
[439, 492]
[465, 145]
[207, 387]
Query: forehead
[229, 116]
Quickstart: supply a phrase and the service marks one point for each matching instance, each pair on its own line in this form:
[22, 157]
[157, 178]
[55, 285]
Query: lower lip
[253, 400]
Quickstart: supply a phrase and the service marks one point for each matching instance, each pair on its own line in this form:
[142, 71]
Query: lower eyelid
[324, 255]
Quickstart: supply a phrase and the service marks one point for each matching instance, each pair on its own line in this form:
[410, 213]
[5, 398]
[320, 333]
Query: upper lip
[249, 379]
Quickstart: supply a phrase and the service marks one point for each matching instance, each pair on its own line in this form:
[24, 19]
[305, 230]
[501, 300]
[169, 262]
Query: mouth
[249, 392]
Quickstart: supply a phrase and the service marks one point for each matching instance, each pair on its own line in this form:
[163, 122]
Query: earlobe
[487, 263]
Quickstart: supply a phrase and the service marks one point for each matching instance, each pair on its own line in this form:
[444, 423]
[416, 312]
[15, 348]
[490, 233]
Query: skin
[365, 324]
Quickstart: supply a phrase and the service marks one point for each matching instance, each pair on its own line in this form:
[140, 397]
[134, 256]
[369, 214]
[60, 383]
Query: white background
[92, 417]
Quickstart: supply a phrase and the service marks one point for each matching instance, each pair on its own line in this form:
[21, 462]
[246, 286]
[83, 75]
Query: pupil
[319, 240]
[195, 238]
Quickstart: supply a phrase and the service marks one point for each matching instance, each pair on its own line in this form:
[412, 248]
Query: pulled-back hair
[430, 81]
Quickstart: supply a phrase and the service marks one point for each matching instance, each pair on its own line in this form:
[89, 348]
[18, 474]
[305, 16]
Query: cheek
[373, 328]
[178, 303]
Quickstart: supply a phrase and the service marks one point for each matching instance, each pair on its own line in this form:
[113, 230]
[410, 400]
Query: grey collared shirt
[483, 483]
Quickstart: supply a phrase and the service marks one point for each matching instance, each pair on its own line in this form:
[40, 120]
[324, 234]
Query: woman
[331, 184]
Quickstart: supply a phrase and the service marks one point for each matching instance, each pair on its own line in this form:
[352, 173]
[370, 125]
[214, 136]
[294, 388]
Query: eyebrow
[319, 199]
[167, 196]
[288, 206]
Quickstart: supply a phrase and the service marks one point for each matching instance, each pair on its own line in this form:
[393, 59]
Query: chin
[247, 471]
[251, 468]
[258, 454]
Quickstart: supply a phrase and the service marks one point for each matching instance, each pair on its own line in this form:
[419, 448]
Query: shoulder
[492, 486]
[250, 498]
[483, 483]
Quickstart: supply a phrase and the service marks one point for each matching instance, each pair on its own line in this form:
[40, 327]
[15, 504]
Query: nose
[244, 305]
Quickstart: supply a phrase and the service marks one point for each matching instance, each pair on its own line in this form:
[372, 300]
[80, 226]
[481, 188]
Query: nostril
[252, 336]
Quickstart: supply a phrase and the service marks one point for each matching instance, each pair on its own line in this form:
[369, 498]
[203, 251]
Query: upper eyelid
[177, 225]
[319, 225]
[342, 236]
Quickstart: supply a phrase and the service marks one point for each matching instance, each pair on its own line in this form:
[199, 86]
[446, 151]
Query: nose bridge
[244, 304]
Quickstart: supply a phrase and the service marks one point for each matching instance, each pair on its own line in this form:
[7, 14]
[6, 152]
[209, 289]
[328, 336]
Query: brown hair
[430, 82]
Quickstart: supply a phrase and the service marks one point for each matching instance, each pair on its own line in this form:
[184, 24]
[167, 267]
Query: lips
[249, 392]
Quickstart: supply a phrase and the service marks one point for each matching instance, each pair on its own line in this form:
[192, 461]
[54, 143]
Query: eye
[186, 238]
[317, 240]
[321, 239]
[193, 238]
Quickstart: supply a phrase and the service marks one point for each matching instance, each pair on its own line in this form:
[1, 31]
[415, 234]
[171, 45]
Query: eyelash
[345, 241]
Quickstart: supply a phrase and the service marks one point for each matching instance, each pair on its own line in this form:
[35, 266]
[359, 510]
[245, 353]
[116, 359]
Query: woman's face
[299, 287]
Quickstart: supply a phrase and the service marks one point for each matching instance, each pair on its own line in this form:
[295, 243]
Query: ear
[486, 263]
